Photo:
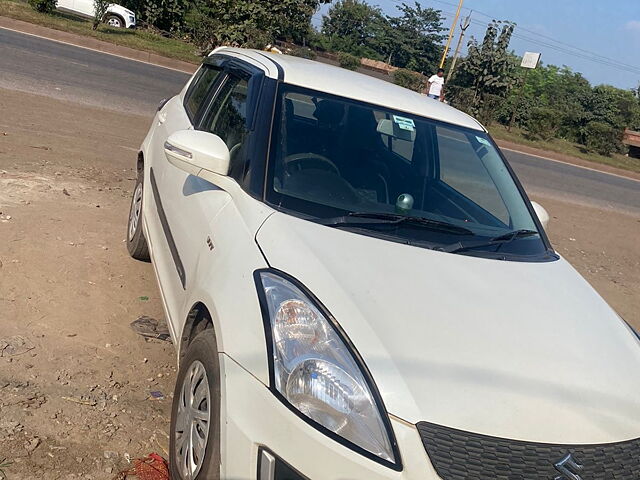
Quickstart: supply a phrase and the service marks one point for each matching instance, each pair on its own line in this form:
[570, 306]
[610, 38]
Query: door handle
[162, 117]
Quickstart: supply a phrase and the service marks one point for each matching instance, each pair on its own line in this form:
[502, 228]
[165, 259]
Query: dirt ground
[75, 380]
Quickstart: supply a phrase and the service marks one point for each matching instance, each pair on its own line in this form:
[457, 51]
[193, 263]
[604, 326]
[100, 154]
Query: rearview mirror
[542, 214]
[194, 151]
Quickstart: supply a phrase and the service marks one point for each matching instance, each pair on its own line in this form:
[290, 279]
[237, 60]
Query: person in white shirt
[435, 86]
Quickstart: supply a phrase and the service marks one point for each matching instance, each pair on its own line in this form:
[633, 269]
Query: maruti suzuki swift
[358, 287]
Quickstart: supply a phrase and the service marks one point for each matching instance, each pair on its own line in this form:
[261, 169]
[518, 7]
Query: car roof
[346, 83]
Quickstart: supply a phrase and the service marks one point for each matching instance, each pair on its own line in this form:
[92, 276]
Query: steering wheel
[299, 158]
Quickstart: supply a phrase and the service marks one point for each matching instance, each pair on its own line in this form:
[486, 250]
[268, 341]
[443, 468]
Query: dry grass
[567, 148]
[144, 40]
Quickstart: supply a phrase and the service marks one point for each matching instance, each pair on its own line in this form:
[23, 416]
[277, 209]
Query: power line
[540, 40]
[570, 49]
[562, 47]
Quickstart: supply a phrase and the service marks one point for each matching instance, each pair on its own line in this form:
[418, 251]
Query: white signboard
[530, 60]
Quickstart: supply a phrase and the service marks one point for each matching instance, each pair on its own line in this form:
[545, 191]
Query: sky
[585, 35]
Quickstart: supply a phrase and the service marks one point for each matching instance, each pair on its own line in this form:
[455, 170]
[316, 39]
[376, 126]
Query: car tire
[198, 366]
[114, 21]
[136, 243]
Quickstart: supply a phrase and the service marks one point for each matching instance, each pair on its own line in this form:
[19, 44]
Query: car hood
[526, 351]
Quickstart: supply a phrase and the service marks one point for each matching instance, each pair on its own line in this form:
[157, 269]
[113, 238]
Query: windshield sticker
[404, 123]
[483, 141]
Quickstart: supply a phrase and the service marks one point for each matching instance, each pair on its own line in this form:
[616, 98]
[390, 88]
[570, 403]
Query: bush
[543, 123]
[461, 98]
[486, 111]
[348, 61]
[44, 6]
[601, 138]
[303, 52]
[408, 79]
[202, 31]
[523, 106]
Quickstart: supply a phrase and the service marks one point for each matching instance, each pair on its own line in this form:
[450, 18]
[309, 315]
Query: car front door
[179, 113]
[191, 202]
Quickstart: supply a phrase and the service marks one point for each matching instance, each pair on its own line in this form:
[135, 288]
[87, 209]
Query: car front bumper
[255, 421]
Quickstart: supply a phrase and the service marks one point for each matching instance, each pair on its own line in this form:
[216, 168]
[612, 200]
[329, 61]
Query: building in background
[632, 139]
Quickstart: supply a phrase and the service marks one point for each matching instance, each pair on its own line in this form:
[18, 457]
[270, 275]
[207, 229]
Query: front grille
[459, 455]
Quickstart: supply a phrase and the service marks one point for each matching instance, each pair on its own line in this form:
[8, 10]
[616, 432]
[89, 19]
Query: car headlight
[315, 371]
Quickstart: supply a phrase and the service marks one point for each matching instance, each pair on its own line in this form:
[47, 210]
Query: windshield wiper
[372, 218]
[499, 240]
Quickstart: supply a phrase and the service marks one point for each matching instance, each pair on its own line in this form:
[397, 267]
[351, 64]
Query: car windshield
[364, 167]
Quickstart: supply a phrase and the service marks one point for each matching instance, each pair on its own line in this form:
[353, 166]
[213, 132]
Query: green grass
[556, 145]
[144, 40]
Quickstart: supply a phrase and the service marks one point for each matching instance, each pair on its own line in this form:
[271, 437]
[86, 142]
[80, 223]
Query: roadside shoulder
[559, 157]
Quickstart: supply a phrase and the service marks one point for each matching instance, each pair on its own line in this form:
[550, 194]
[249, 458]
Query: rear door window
[199, 90]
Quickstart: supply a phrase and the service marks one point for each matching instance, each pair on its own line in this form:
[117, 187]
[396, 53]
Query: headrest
[329, 111]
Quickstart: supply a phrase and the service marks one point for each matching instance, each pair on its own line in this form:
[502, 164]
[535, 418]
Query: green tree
[353, 26]
[488, 72]
[560, 89]
[249, 23]
[488, 67]
[613, 107]
[413, 40]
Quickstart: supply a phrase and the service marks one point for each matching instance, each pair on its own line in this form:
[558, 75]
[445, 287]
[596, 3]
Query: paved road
[41, 66]
[567, 182]
[63, 71]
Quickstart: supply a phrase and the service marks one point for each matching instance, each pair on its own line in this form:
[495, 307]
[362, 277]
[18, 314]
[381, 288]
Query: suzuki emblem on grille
[569, 468]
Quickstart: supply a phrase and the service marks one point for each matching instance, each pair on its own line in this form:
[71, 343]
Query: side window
[463, 169]
[199, 89]
[227, 117]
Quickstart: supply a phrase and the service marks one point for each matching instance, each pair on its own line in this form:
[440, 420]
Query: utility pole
[453, 28]
[463, 26]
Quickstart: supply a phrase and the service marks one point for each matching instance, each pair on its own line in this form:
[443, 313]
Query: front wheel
[136, 243]
[114, 21]
[194, 442]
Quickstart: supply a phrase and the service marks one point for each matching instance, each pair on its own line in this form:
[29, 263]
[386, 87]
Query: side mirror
[542, 214]
[194, 151]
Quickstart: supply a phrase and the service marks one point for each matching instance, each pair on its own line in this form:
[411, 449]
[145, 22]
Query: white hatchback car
[117, 16]
[359, 288]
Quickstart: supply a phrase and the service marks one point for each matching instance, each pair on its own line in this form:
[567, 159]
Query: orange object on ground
[152, 467]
